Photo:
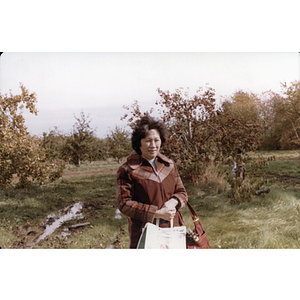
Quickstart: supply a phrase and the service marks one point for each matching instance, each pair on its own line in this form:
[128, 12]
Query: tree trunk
[295, 130]
[190, 130]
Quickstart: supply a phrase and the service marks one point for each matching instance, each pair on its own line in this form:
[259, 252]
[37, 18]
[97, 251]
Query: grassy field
[268, 221]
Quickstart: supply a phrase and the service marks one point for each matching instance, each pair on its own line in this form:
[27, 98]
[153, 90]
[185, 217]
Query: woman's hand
[165, 213]
[168, 211]
[171, 204]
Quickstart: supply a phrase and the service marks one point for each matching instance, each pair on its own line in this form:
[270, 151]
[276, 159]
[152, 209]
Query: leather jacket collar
[135, 160]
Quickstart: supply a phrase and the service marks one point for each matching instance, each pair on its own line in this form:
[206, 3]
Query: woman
[148, 184]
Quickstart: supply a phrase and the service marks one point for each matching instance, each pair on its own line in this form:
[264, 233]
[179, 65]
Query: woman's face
[150, 144]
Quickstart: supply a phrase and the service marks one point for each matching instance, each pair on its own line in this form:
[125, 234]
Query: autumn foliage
[20, 154]
[199, 133]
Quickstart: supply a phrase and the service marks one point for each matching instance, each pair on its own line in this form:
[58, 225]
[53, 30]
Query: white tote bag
[155, 237]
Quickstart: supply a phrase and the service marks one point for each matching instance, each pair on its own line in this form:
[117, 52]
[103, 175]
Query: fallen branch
[262, 191]
[78, 225]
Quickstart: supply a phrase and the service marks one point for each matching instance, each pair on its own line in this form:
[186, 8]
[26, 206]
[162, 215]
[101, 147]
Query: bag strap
[195, 218]
[193, 213]
[157, 222]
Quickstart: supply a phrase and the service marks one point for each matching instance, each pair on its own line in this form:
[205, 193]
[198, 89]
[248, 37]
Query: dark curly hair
[141, 128]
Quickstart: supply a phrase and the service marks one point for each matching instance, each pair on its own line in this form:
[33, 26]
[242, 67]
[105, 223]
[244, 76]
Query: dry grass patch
[269, 221]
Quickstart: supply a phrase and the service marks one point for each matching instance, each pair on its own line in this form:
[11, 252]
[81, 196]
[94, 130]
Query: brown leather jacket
[141, 191]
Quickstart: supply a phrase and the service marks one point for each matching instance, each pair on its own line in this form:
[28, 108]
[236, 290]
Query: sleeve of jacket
[180, 193]
[126, 204]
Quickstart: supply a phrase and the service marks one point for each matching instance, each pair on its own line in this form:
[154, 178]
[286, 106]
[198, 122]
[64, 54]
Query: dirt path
[71, 174]
[283, 180]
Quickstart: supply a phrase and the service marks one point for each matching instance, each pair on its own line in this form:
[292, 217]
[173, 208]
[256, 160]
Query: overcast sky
[99, 84]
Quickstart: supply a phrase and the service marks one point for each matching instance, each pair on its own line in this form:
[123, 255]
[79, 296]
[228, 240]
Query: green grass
[107, 166]
[23, 210]
[268, 221]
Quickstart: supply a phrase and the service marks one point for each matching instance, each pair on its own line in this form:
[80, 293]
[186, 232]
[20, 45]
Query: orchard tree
[243, 105]
[118, 142]
[134, 113]
[199, 132]
[242, 110]
[287, 116]
[98, 149]
[271, 133]
[53, 143]
[20, 153]
[241, 120]
[192, 124]
[79, 144]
